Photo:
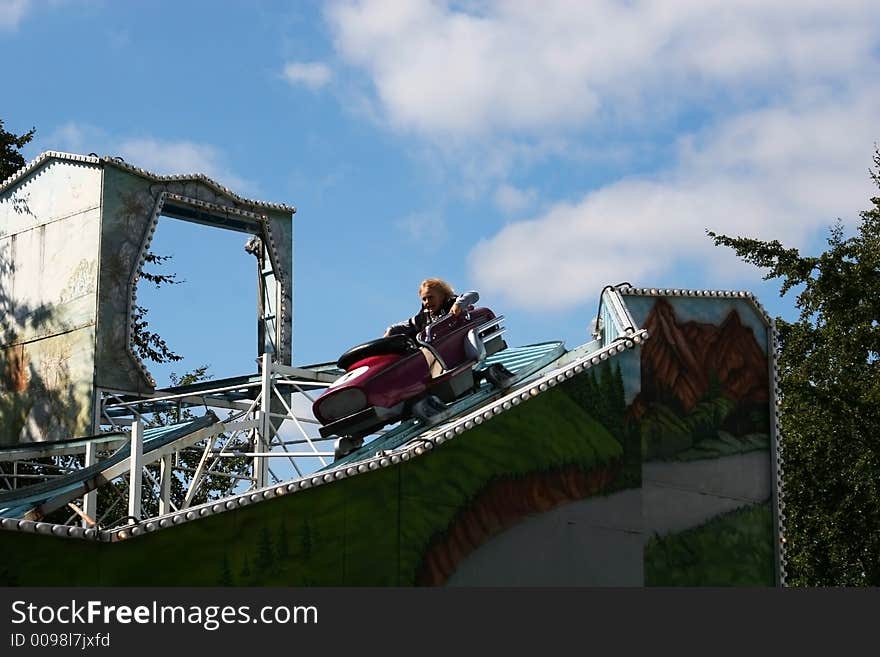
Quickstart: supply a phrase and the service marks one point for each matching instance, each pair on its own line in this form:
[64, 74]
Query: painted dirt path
[675, 496]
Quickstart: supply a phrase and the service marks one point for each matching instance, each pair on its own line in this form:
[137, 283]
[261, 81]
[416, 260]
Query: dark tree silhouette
[11, 159]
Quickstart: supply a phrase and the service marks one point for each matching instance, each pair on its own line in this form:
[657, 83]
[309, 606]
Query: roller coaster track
[537, 368]
[36, 501]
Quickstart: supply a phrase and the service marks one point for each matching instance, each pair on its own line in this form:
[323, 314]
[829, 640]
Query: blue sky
[532, 151]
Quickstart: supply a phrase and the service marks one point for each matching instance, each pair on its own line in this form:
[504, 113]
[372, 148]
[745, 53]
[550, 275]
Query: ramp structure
[646, 456]
[39, 500]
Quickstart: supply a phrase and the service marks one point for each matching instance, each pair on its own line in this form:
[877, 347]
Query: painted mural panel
[587, 540]
[413, 524]
[48, 279]
[45, 388]
[55, 190]
[128, 215]
[703, 415]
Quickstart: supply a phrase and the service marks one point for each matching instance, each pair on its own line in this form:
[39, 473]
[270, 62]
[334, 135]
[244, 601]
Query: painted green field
[735, 549]
[368, 530]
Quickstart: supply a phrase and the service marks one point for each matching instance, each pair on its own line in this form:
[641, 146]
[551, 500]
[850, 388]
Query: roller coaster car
[397, 377]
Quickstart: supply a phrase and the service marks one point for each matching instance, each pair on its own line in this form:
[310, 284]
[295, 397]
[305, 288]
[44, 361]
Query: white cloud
[425, 228]
[776, 174]
[783, 92]
[12, 12]
[442, 71]
[75, 138]
[162, 157]
[512, 200]
[312, 74]
[180, 157]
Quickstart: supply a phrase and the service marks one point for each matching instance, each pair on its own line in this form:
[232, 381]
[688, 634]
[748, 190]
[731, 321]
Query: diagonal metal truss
[266, 418]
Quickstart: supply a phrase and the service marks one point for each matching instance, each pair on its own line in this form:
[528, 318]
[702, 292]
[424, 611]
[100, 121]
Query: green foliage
[829, 377]
[664, 434]
[602, 396]
[700, 434]
[283, 546]
[725, 444]
[306, 540]
[193, 376]
[11, 160]
[265, 553]
[148, 345]
[735, 549]
[225, 578]
[706, 418]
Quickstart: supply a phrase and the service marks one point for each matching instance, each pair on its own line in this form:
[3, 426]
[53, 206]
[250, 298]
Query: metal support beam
[200, 471]
[306, 374]
[261, 464]
[165, 475]
[135, 487]
[90, 499]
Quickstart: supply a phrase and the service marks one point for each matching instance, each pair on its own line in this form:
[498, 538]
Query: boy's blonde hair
[437, 284]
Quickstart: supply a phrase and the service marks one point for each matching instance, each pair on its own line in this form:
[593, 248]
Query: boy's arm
[466, 299]
[463, 301]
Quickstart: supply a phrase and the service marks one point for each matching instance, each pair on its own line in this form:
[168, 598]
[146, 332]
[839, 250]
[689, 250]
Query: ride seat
[436, 364]
[392, 344]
